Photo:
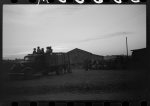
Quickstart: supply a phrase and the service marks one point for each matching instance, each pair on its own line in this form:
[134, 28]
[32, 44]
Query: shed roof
[139, 49]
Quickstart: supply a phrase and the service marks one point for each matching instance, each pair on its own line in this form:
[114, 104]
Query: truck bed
[57, 59]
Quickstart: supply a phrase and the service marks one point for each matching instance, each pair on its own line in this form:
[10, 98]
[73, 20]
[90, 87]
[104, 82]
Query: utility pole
[127, 46]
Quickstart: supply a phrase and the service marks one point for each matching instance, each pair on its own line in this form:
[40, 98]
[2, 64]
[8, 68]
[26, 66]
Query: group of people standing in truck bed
[41, 51]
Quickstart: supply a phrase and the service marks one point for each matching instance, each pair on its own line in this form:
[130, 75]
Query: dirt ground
[78, 85]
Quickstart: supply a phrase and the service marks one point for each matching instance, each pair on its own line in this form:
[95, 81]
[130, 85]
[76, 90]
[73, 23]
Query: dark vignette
[2, 2]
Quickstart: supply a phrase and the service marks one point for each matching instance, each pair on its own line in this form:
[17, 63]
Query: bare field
[98, 84]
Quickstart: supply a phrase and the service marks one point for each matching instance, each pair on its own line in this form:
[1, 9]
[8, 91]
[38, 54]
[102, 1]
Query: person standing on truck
[38, 50]
[49, 50]
[34, 51]
[42, 51]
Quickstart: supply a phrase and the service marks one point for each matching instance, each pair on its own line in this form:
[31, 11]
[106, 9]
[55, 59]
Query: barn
[78, 56]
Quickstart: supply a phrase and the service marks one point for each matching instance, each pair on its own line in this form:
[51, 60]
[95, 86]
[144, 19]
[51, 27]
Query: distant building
[140, 57]
[78, 56]
[139, 54]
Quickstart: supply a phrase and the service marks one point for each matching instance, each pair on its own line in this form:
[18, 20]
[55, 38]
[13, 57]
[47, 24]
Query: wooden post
[127, 46]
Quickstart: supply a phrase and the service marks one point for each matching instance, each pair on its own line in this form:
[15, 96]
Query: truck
[45, 63]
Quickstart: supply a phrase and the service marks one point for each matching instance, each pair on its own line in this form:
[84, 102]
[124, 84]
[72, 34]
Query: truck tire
[28, 72]
[57, 72]
[45, 73]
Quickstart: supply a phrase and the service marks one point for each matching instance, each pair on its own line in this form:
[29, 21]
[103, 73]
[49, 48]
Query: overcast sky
[99, 29]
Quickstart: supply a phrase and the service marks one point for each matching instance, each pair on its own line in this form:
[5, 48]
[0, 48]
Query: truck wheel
[57, 72]
[28, 72]
[45, 73]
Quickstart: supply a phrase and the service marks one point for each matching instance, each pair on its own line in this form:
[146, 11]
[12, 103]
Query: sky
[99, 29]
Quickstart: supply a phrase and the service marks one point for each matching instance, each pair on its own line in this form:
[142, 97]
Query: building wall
[140, 58]
[78, 56]
[139, 55]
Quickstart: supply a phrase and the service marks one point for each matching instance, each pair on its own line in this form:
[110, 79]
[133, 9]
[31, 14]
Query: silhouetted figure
[49, 50]
[34, 51]
[42, 51]
[38, 50]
